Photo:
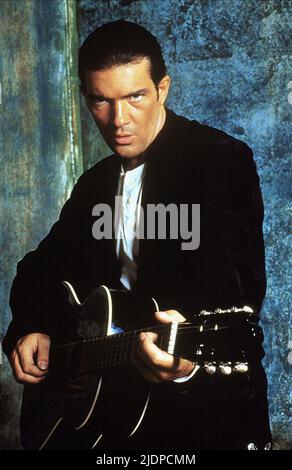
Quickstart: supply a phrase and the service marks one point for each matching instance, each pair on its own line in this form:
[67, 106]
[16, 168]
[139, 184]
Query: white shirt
[126, 224]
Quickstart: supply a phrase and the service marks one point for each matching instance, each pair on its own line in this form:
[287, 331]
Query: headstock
[224, 340]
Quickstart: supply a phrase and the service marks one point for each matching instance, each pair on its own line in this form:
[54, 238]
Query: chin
[126, 152]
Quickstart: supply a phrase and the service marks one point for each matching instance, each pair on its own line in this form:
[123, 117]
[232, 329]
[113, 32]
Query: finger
[43, 352]
[157, 374]
[20, 376]
[164, 365]
[169, 316]
[153, 371]
[25, 352]
[152, 355]
[141, 362]
[149, 335]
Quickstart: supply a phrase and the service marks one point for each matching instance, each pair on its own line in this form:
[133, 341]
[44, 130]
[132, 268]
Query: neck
[131, 163]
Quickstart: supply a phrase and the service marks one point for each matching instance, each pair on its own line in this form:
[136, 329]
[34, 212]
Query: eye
[98, 101]
[136, 97]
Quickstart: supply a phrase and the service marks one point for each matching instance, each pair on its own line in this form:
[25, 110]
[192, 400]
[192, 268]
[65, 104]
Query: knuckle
[18, 376]
[26, 369]
[44, 340]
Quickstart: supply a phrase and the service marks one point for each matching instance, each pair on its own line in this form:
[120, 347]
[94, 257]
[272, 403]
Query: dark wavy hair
[118, 43]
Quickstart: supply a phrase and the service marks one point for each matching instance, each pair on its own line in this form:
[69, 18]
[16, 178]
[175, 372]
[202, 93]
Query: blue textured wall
[39, 156]
[229, 63]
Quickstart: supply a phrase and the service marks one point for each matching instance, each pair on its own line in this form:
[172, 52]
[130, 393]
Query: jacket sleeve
[39, 274]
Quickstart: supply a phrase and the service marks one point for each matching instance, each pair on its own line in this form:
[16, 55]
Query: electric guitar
[92, 389]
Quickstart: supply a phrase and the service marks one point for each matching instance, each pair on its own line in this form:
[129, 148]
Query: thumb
[43, 352]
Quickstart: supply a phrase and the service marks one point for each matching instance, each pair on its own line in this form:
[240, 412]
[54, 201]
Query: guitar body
[73, 409]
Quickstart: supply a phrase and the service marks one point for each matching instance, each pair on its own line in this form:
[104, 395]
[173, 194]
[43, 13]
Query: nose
[120, 117]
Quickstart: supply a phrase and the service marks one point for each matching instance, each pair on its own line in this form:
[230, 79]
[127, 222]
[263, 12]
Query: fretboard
[91, 354]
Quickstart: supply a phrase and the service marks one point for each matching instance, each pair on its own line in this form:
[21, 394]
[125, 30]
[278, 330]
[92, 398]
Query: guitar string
[111, 348]
[126, 357]
[182, 325]
[86, 366]
[125, 336]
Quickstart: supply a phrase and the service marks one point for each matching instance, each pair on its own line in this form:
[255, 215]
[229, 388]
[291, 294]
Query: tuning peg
[198, 352]
[210, 367]
[241, 367]
[225, 368]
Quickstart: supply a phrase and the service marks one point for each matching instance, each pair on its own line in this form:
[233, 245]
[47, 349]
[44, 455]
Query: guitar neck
[91, 354]
[209, 338]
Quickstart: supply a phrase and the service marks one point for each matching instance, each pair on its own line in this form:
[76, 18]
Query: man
[159, 158]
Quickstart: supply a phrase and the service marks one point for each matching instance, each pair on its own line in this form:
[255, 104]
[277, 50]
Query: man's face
[126, 106]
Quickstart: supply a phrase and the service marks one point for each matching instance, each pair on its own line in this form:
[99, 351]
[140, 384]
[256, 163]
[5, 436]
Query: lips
[123, 139]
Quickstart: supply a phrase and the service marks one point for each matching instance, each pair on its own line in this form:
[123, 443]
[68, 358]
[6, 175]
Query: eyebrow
[136, 92]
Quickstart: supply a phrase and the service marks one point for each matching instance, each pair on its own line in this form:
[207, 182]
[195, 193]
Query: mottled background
[228, 60]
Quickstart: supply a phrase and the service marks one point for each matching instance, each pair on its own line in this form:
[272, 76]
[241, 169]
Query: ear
[163, 88]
